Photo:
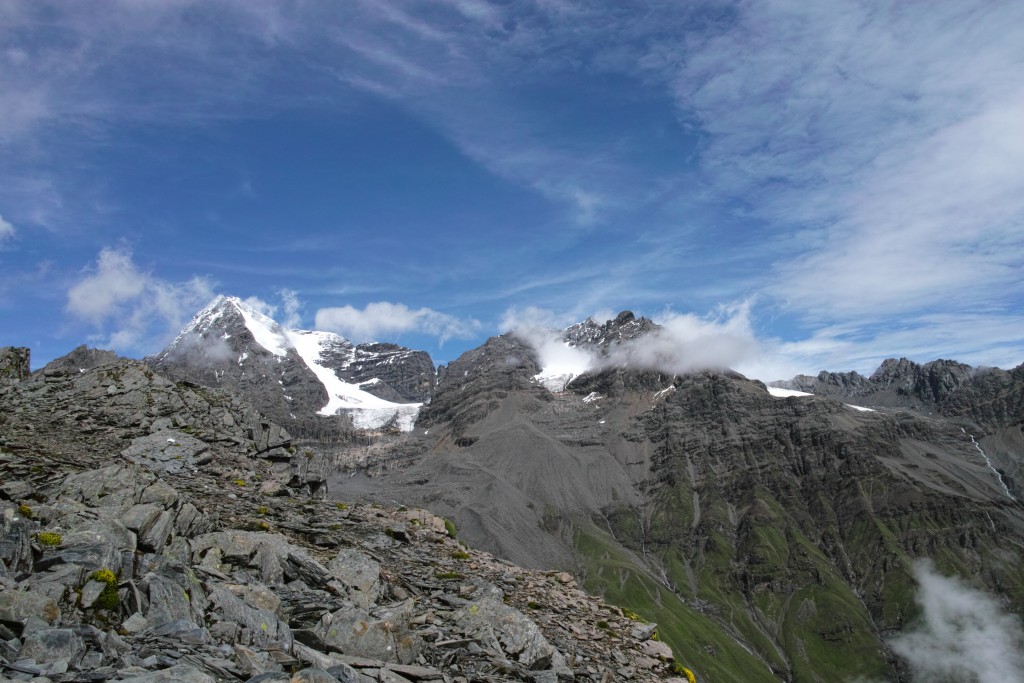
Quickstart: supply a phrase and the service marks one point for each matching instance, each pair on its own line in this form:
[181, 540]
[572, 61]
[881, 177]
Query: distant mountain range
[772, 532]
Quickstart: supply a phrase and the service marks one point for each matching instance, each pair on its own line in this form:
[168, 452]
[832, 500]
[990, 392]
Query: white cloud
[114, 282]
[260, 306]
[683, 343]
[383, 318]
[963, 634]
[687, 343]
[292, 309]
[133, 311]
[7, 230]
[891, 134]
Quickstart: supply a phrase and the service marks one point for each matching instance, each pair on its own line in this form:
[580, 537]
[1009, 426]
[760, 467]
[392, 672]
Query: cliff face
[988, 403]
[990, 397]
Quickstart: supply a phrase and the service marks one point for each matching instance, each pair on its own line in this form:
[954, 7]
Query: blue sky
[826, 184]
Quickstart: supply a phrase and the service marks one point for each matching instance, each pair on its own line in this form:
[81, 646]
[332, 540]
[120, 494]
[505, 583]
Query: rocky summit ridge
[988, 402]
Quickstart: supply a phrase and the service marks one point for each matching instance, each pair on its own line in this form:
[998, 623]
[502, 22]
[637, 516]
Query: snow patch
[592, 396]
[367, 411]
[265, 331]
[779, 392]
[664, 391]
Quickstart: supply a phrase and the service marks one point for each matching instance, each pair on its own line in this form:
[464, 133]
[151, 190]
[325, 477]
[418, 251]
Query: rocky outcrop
[14, 364]
[96, 585]
[471, 386]
[392, 372]
[837, 384]
[81, 358]
[602, 336]
[120, 408]
[941, 385]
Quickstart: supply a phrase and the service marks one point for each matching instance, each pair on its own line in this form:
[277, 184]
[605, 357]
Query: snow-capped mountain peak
[225, 311]
[299, 373]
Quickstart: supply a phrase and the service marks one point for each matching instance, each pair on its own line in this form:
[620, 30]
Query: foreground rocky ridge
[152, 531]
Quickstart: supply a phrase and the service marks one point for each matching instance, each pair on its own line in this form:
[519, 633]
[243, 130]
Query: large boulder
[384, 634]
[490, 619]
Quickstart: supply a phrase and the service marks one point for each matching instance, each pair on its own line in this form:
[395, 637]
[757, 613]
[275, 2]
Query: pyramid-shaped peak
[225, 315]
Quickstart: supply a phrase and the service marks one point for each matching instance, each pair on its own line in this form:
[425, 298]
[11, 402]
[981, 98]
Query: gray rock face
[359, 573]
[988, 396]
[14, 364]
[120, 409]
[53, 645]
[830, 384]
[402, 375]
[602, 336]
[470, 387]
[169, 451]
[492, 620]
[384, 634]
[81, 358]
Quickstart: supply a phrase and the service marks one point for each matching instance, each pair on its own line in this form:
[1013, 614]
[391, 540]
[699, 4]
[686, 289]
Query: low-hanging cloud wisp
[682, 343]
[963, 633]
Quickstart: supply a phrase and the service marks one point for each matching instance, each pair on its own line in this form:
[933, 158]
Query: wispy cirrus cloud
[882, 141]
[459, 66]
[853, 163]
